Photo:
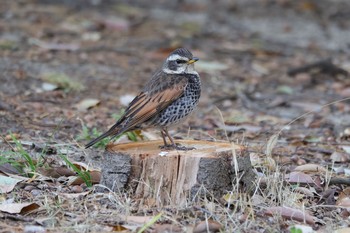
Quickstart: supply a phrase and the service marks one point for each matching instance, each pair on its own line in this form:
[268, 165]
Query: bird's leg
[173, 145]
[170, 138]
[163, 136]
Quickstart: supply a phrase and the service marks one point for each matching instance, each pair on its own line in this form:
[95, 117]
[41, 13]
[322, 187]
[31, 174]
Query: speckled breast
[182, 107]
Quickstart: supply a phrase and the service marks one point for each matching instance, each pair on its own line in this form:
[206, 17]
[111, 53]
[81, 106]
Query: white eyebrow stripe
[175, 57]
[188, 71]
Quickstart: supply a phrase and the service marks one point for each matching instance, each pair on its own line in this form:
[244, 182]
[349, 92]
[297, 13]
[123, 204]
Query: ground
[268, 68]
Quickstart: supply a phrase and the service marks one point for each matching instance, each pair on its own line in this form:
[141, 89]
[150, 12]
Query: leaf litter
[94, 61]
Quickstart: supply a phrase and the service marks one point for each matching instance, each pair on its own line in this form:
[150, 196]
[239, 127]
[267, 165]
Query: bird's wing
[151, 101]
[159, 93]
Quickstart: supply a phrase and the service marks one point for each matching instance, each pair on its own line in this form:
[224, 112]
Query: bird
[167, 99]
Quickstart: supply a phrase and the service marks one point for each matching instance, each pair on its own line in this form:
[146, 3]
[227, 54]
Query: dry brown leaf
[291, 214]
[115, 23]
[15, 135]
[138, 219]
[81, 166]
[18, 208]
[95, 178]
[311, 168]
[344, 202]
[207, 226]
[86, 104]
[7, 184]
[344, 198]
[343, 230]
[7, 168]
[56, 172]
[160, 228]
[119, 228]
[299, 177]
[339, 157]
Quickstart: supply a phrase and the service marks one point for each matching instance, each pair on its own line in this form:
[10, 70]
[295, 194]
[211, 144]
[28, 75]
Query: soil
[250, 54]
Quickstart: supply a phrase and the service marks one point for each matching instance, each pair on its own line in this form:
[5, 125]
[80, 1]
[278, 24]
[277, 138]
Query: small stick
[325, 65]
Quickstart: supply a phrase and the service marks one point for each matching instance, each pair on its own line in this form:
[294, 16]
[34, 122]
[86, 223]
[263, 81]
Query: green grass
[295, 230]
[90, 134]
[150, 223]
[29, 162]
[84, 175]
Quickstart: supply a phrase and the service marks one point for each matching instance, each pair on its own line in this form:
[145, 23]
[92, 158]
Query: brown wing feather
[147, 105]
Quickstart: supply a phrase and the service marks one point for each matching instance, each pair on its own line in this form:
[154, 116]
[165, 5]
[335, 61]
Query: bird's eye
[180, 61]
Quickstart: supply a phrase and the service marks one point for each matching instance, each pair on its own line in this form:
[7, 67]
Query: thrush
[166, 100]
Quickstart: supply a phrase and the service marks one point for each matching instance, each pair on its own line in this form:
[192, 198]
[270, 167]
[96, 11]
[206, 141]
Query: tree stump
[170, 177]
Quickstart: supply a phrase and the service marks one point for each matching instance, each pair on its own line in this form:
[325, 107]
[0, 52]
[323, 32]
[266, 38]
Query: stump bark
[163, 177]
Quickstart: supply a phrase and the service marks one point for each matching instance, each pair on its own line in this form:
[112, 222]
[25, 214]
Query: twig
[325, 66]
[339, 180]
[17, 218]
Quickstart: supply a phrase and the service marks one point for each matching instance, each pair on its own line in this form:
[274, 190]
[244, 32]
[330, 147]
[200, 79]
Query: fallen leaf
[346, 149]
[81, 166]
[18, 208]
[95, 178]
[115, 23]
[15, 135]
[8, 168]
[160, 228]
[91, 36]
[260, 68]
[344, 198]
[54, 46]
[33, 228]
[339, 157]
[48, 86]
[86, 104]
[343, 230]
[207, 226]
[347, 171]
[312, 139]
[300, 178]
[291, 214]
[210, 67]
[7, 184]
[343, 202]
[284, 89]
[56, 172]
[311, 168]
[138, 219]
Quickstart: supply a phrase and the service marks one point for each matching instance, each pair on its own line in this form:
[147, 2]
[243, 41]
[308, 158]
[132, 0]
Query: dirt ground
[263, 64]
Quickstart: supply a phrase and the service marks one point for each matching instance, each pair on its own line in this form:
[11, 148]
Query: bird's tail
[115, 131]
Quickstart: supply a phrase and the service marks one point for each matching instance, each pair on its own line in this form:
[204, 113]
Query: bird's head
[180, 61]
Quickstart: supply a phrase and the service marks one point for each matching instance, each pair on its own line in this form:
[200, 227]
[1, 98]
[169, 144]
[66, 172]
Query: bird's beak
[193, 60]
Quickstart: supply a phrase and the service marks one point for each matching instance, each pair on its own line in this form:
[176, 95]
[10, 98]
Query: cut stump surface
[165, 177]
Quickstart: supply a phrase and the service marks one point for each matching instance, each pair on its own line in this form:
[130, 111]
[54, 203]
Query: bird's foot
[176, 146]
